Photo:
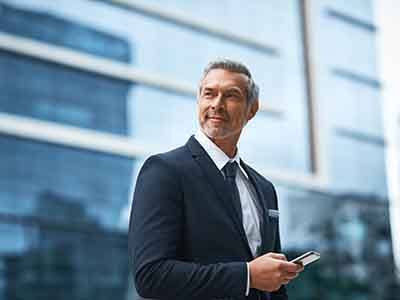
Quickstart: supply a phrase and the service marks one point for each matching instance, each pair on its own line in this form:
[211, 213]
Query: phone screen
[307, 258]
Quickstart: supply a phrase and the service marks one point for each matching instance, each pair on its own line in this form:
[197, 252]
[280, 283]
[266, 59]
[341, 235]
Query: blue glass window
[63, 184]
[51, 92]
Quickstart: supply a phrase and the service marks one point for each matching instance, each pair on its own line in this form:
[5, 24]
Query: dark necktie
[230, 170]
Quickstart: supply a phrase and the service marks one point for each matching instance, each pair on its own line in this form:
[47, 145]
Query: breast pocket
[271, 227]
[273, 216]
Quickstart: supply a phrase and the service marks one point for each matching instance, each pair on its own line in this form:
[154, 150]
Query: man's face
[223, 110]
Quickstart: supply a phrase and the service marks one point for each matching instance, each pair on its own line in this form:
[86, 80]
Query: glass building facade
[89, 89]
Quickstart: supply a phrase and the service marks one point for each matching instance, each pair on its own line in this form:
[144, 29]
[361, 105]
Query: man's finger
[291, 276]
[286, 281]
[289, 267]
[279, 256]
[300, 268]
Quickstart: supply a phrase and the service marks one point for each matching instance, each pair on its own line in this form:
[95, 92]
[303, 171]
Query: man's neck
[227, 148]
[228, 145]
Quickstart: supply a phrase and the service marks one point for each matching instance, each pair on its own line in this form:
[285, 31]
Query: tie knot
[230, 169]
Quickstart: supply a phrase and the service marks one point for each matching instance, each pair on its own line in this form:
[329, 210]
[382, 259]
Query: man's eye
[207, 94]
[232, 95]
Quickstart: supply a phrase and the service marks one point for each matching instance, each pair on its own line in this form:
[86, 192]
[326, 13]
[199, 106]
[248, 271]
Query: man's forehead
[225, 78]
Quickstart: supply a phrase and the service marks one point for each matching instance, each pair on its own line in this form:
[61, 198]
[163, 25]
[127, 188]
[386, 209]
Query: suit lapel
[262, 204]
[217, 181]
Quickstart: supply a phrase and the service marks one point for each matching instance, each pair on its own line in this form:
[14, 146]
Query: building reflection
[69, 256]
[352, 232]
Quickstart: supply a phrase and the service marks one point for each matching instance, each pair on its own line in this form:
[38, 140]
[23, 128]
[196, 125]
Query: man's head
[227, 99]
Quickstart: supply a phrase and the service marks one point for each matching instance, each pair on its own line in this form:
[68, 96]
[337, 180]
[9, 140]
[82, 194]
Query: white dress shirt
[251, 219]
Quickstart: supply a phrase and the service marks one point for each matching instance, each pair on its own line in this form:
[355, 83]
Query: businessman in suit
[204, 224]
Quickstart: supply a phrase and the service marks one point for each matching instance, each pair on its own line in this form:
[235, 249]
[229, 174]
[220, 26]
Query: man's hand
[270, 271]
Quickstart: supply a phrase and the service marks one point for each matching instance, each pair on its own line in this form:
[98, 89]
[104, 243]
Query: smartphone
[307, 258]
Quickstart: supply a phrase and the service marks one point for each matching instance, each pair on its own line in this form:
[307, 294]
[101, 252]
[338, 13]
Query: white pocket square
[273, 213]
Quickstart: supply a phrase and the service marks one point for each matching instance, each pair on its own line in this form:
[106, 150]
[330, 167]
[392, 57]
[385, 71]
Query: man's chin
[214, 134]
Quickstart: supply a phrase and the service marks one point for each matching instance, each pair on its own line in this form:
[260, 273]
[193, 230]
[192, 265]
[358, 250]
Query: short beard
[215, 133]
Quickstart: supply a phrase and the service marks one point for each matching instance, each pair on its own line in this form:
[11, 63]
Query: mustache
[217, 115]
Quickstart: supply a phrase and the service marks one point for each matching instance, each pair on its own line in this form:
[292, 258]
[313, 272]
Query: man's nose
[217, 102]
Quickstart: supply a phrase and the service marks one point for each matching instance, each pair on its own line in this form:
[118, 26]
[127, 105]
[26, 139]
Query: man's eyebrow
[235, 89]
[231, 89]
[207, 88]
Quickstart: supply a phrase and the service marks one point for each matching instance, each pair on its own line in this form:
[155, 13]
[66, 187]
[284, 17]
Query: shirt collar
[218, 156]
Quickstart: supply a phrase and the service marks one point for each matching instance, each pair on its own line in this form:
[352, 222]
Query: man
[204, 225]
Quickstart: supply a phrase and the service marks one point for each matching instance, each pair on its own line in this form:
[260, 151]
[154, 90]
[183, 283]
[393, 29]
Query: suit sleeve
[280, 294]
[156, 241]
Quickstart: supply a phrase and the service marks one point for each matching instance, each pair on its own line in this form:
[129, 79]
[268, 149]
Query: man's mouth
[216, 118]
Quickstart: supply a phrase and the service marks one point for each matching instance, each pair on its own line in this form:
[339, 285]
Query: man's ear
[253, 110]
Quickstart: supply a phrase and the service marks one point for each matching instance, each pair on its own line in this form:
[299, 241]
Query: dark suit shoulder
[174, 155]
[173, 159]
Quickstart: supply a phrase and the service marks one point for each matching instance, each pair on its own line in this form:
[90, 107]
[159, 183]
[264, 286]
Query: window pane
[47, 91]
[63, 184]
[43, 262]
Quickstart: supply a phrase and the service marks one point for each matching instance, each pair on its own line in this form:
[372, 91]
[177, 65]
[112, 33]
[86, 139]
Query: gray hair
[236, 67]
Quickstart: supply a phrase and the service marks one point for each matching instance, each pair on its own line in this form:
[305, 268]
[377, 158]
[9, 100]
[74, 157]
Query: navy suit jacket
[186, 240]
